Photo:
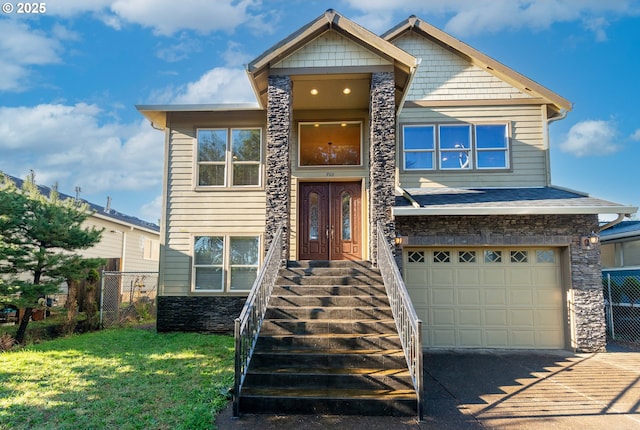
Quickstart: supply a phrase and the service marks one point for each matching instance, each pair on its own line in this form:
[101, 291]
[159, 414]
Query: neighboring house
[620, 247]
[127, 243]
[445, 147]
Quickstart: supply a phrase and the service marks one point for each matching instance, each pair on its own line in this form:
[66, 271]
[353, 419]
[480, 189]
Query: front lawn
[117, 379]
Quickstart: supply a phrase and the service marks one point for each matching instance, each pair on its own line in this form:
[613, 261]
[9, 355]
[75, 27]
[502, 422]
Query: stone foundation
[200, 314]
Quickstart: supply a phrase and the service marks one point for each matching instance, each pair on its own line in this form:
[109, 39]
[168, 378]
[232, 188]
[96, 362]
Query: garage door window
[492, 256]
[467, 256]
[416, 256]
[441, 257]
[519, 256]
[545, 256]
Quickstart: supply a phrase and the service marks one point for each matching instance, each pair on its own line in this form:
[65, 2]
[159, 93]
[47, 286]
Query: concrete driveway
[502, 390]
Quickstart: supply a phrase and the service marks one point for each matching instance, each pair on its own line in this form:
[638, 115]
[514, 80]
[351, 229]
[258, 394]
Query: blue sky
[71, 76]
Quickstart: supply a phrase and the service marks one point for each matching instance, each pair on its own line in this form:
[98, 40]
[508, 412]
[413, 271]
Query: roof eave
[493, 210]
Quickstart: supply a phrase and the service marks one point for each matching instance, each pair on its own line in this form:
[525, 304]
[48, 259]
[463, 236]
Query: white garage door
[487, 298]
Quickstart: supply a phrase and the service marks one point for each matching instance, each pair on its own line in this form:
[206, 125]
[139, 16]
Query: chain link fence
[127, 296]
[622, 307]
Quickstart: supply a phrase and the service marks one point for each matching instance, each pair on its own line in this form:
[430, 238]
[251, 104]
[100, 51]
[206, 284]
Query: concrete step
[311, 312]
[328, 290]
[294, 279]
[328, 301]
[324, 326]
[304, 358]
[329, 341]
[330, 271]
[329, 401]
[330, 264]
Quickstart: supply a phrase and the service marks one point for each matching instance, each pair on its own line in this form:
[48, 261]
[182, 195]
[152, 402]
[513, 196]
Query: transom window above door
[330, 144]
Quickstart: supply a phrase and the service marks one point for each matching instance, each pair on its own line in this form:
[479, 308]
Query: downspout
[561, 115]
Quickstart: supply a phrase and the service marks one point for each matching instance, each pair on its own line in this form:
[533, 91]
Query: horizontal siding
[110, 245]
[528, 151]
[443, 75]
[192, 212]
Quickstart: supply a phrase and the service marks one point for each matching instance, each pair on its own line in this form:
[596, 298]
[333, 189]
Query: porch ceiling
[330, 91]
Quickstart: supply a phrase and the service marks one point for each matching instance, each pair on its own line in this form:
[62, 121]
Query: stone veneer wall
[382, 157]
[589, 328]
[278, 165]
[198, 313]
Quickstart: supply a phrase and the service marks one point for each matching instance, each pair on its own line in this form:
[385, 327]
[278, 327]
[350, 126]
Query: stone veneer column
[278, 166]
[382, 153]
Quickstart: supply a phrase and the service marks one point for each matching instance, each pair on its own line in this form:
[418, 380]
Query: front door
[330, 221]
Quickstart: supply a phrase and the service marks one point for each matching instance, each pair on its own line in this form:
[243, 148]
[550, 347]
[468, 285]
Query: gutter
[621, 216]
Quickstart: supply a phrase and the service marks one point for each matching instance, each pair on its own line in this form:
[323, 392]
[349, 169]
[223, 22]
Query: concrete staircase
[329, 345]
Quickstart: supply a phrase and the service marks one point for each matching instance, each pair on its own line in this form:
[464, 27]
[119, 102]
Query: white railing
[247, 325]
[407, 322]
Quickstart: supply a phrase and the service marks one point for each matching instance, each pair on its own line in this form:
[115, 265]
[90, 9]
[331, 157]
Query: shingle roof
[99, 210]
[481, 201]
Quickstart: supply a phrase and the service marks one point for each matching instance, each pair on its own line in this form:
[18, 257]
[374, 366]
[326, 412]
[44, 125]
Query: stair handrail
[247, 325]
[408, 324]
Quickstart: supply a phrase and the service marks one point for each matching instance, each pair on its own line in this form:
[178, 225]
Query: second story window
[455, 147]
[229, 157]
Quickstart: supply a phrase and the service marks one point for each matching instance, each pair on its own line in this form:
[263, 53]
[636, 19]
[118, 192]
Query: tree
[38, 236]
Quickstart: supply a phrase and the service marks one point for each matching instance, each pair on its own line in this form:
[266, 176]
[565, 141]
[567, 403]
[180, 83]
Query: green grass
[117, 379]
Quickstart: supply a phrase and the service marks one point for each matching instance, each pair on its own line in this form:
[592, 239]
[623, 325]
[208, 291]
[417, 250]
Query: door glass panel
[313, 216]
[346, 216]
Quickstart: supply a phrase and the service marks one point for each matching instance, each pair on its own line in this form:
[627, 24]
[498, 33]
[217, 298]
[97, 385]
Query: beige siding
[124, 242]
[191, 211]
[443, 75]
[331, 50]
[528, 147]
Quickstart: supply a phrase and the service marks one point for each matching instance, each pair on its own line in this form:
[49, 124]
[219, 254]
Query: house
[443, 147]
[127, 243]
[620, 246]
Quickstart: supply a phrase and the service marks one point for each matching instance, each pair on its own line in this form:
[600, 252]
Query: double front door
[330, 221]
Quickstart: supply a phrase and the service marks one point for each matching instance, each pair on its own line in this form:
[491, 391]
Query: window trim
[226, 262]
[474, 151]
[228, 162]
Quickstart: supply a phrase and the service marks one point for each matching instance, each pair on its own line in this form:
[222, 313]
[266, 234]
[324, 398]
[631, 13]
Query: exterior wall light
[588, 242]
[314, 92]
[346, 91]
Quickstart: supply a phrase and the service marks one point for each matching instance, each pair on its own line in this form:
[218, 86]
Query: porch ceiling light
[314, 91]
[346, 91]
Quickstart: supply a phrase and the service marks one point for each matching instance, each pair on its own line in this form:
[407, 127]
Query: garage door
[487, 298]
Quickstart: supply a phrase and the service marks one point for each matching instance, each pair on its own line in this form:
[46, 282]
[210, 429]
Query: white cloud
[478, 16]
[168, 16]
[152, 210]
[636, 135]
[20, 49]
[72, 146]
[591, 138]
[219, 85]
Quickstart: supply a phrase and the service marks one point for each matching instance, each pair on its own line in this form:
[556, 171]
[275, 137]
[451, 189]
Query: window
[419, 147]
[455, 147]
[225, 263]
[229, 156]
[330, 144]
[150, 249]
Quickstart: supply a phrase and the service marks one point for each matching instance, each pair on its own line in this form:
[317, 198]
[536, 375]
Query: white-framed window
[455, 147]
[229, 157]
[225, 263]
